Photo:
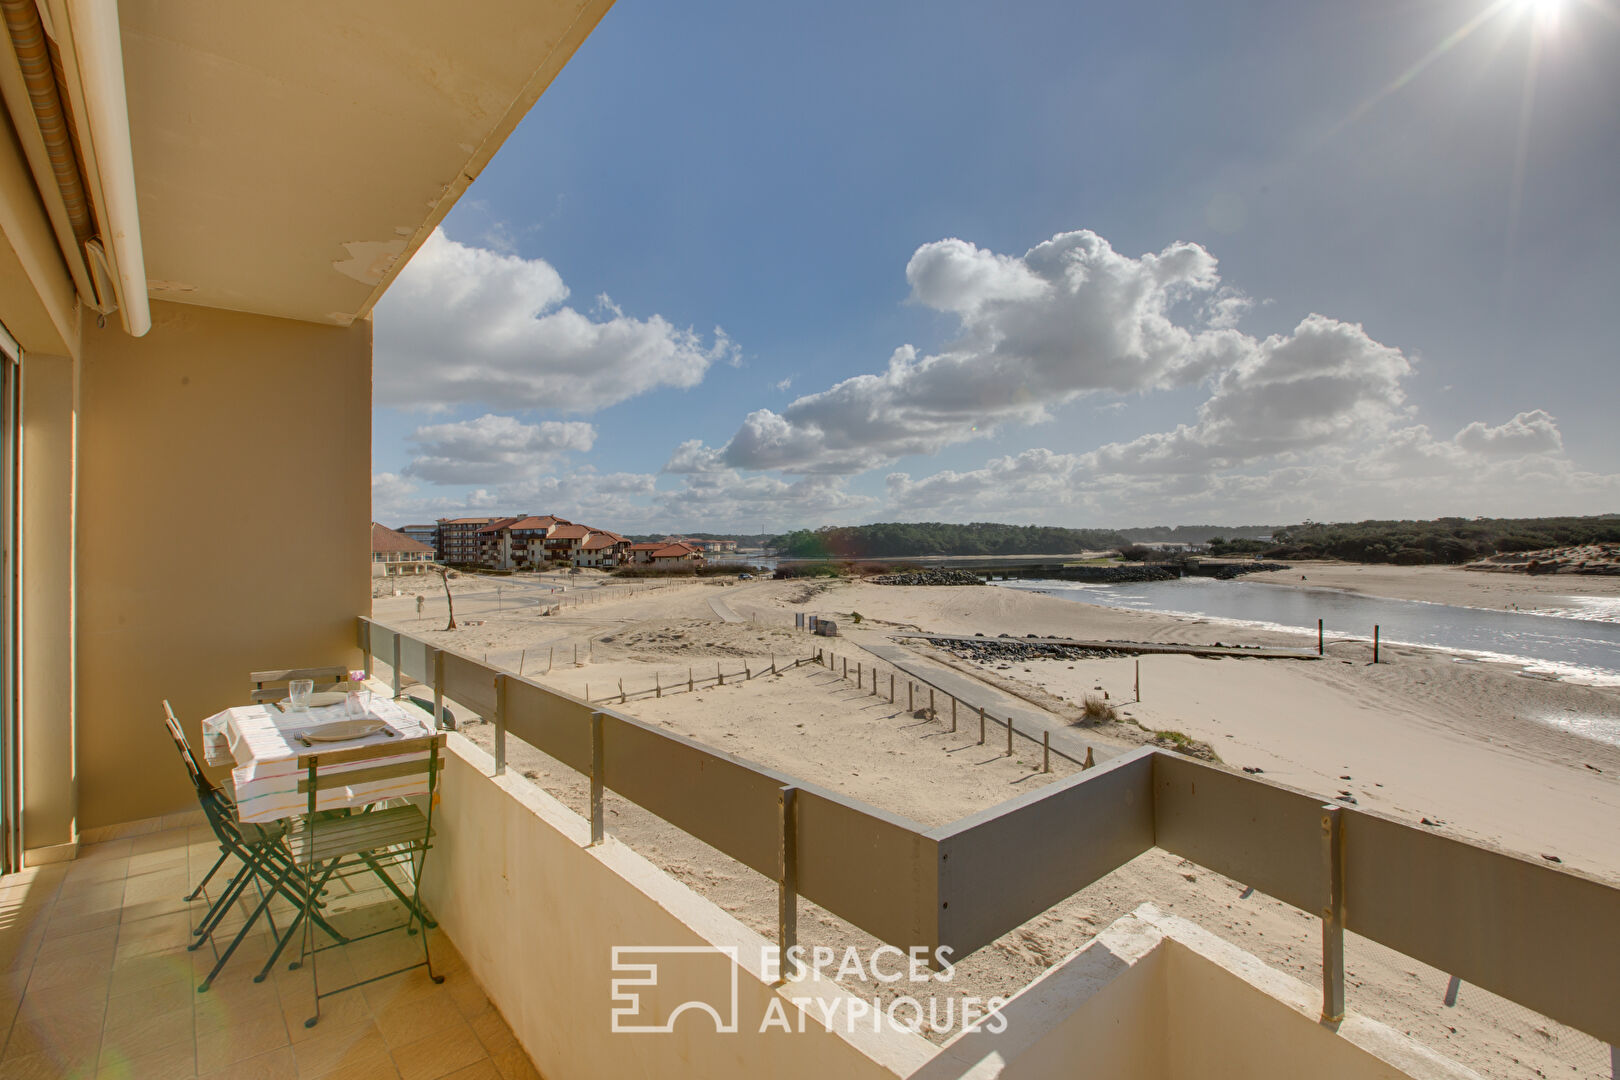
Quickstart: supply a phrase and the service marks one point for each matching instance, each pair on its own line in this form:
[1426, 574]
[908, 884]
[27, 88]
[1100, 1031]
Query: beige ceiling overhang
[287, 158]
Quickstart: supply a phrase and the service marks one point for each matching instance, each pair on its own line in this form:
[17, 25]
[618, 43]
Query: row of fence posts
[691, 678]
[831, 662]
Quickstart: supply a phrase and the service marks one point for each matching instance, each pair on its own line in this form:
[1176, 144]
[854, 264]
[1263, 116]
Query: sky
[754, 267]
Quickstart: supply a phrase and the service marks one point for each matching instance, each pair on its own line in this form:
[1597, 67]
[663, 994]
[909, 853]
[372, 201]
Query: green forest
[903, 539]
[1443, 540]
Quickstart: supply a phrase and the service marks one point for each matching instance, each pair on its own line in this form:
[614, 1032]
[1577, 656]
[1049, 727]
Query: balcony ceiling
[290, 156]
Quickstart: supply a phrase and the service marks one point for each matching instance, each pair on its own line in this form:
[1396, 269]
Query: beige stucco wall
[50, 792]
[224, 525]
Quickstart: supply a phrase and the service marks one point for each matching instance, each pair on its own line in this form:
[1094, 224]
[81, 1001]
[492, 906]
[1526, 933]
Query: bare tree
[444, 576]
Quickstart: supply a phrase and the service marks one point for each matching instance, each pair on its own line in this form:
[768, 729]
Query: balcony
[98, 983]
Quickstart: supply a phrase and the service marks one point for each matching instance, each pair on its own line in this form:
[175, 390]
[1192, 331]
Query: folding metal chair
[272, 685]
[259, 850]
[328, 847]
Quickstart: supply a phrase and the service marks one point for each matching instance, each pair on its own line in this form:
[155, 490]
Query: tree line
[907, 539]
[1448, 540]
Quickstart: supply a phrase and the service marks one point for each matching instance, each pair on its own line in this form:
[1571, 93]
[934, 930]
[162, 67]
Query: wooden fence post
[953, 714]
[1046, 751]
[981, 725]
[1009, 736]
[911, 696]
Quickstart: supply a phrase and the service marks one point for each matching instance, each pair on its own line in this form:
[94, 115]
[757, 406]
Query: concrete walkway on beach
[723, 611]
[998, 706]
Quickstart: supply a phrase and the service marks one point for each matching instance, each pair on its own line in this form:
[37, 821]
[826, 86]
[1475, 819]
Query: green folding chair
[262, 859]
[329, 847]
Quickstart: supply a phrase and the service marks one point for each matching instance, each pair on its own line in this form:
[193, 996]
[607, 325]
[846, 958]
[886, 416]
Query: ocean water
[1584, 647]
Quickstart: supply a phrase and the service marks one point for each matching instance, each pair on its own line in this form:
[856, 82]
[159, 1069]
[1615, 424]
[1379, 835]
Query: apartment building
[422, 534]
[457, 540]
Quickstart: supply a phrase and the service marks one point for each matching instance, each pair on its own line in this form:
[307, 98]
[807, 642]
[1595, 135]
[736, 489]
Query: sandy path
[1453, 585]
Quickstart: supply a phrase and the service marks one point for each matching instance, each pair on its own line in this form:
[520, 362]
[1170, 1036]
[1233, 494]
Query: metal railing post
[500, 724]
[397, 679]
[438, 687]
[365, 650]
[1333, 916]
[598, 821]
[787, 865]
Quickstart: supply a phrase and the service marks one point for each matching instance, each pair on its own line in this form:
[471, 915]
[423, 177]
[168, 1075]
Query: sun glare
[1544, 13]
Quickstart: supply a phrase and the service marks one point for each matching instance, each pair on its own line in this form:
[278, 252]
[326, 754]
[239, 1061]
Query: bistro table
[263, 743]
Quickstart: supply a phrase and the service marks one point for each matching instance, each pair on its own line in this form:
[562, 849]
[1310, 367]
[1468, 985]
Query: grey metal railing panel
[552, 723]
[469, 683]
[1535, 934]
[1007, 864]
[1258, 833]
[876, 870]
[1543, 937]
[721, 801]
[416, 659]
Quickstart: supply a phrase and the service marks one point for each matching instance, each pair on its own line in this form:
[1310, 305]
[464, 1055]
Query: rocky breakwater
[928, 577]
[1119, 575]
[1228, 571]
[1008, 650]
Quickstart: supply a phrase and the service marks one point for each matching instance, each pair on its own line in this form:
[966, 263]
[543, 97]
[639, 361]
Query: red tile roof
[384, 539]
[598, 541]
[675, 551]
[569, 532]
[648, 546]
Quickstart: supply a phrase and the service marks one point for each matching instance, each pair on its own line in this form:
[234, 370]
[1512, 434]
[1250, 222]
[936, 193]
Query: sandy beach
[1468, 746]
[1575, 594]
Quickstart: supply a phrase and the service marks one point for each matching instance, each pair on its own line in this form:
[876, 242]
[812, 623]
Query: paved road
[998, 706]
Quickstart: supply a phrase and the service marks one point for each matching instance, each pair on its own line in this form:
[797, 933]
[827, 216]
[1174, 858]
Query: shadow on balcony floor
[95, 981]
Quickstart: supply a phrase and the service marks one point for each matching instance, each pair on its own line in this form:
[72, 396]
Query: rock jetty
[928, 577]
[1228, 571]
[1008, 650]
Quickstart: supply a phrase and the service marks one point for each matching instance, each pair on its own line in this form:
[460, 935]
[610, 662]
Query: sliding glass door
[11, 843]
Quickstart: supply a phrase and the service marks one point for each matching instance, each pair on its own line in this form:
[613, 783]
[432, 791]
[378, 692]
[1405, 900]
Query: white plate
[344, 730]
[320, 700]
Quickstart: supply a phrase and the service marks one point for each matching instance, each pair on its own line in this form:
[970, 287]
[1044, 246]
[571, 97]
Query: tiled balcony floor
[95, 981]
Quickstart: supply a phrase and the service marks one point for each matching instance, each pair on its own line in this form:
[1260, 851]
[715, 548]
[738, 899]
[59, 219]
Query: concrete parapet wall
[536, 912]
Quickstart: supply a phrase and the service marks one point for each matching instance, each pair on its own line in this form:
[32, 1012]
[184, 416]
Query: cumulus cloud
[1069, 317]
[493, 448]
[1402, 472]
[464, 324]
[733, 500]
[1533, 432]
[1326, 383]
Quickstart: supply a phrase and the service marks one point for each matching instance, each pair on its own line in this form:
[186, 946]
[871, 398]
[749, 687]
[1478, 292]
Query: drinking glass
[298, 692]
